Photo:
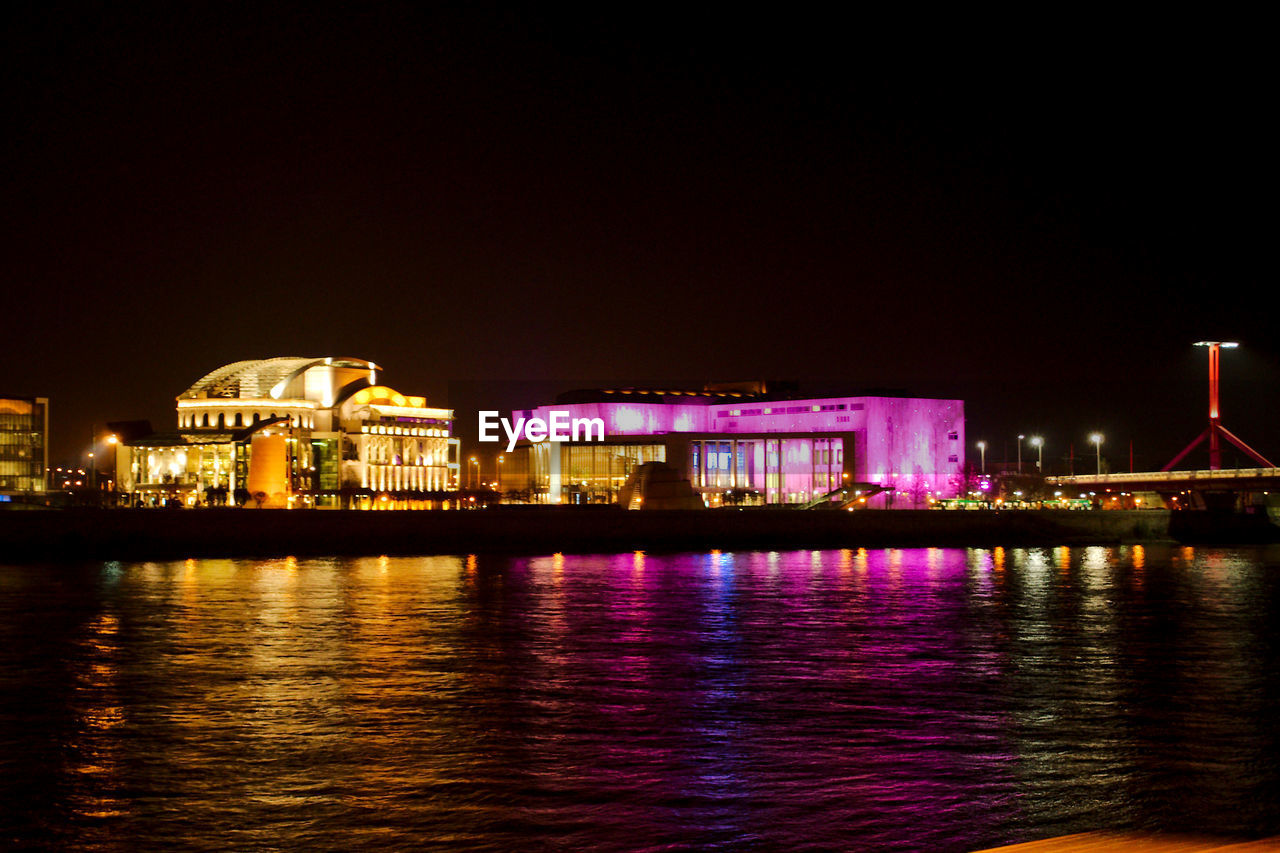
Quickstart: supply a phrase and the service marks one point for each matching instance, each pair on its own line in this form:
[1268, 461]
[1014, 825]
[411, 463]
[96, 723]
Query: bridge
[1217, 488]
[1233, 479]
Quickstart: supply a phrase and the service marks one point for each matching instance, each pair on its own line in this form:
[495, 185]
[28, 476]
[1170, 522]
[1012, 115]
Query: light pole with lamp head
[1096, 438]
[1038, 443]
[1216, 431]
[113, 442]
[982, 451]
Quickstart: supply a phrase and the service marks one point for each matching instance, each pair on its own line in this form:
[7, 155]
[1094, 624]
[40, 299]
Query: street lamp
[1038, 443]
[1216, 431]
[112, 442]
[470, 480]
[499, 473]
[982, 450]
[1096, 438]
[1020, 437]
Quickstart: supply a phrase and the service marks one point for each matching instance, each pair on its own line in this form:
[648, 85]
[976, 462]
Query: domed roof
[257, 378]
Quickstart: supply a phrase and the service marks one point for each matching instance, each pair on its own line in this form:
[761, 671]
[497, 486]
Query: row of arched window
[239, 420]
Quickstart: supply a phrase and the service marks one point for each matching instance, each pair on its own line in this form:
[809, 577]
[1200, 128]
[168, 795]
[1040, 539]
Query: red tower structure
[1216, 431]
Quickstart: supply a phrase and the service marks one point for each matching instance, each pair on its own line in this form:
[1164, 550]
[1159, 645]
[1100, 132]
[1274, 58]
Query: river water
[921, 699]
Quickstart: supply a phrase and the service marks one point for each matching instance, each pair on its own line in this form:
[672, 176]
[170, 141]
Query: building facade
[24, 446]
[325, 432]
[744, 445]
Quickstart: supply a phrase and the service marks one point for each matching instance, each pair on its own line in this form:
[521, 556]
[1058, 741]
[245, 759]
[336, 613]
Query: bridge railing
[1165, 477]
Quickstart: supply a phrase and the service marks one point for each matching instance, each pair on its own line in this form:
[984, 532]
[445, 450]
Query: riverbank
[126, 534]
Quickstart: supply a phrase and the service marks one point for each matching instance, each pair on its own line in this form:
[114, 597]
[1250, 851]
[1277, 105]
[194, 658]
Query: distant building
[742, 444]
[324, 432]
[24, 446]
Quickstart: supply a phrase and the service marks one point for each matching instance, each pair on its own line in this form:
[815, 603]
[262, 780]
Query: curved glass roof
[257, 377]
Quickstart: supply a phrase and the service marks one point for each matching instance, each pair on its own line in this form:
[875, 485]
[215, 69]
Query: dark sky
[1037, 217]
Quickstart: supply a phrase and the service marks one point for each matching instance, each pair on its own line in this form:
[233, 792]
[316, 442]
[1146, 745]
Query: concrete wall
[175, 534]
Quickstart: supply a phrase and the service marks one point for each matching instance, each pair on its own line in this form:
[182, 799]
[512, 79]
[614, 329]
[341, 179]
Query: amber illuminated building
[295, 432]
[24, 448]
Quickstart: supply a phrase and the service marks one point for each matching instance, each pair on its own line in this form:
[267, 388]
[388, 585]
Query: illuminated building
[740, 443]
[24, 448]
[334, 436]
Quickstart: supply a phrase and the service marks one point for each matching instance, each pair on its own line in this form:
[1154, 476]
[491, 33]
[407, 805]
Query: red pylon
[1216, 430]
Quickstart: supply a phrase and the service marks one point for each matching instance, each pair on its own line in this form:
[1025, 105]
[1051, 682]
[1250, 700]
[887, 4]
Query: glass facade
[24, 426]
[324, 451]
[785, 469]
[579, 473]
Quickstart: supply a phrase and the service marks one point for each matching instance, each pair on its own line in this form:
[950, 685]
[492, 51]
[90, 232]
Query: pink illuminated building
[742, 444]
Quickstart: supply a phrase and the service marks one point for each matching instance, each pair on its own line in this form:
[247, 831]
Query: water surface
[927, 699]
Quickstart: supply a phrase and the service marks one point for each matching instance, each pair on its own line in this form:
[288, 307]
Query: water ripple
[930, 699]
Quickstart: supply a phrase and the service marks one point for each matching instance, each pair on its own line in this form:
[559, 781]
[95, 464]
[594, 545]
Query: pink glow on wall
[635, 418]
[914, 444]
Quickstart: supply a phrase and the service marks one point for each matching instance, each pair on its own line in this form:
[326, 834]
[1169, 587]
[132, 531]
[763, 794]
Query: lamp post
[113, 442]
[1096, 438]
[1216, 430]
[1020, 437]
[471, 481]
[1038, 443]
[982, 451]
[499, 475]
[1215, 424]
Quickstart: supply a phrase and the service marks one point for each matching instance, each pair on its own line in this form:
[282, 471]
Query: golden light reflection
[637, 560]
[997, 560]
[1139, 558]
[93, 747]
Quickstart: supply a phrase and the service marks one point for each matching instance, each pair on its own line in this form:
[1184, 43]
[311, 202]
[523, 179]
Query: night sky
[1035, 216]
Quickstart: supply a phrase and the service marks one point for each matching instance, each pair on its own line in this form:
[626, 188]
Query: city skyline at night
[487, 196]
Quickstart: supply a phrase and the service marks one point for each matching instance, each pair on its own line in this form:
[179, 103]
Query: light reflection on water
[940, 699]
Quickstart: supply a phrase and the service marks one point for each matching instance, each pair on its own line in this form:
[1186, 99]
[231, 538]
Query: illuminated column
[778, 472]
[1215, 446]
[555, 482]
